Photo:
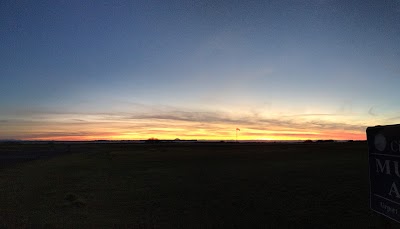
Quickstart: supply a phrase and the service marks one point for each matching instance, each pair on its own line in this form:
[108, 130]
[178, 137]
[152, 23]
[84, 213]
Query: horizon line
[177, 140]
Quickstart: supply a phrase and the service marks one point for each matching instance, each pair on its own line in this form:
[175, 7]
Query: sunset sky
[86, 70]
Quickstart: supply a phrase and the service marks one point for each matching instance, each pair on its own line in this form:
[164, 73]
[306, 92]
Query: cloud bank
[170, 123]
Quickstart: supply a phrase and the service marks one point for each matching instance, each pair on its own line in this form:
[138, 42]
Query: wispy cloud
[169, 122]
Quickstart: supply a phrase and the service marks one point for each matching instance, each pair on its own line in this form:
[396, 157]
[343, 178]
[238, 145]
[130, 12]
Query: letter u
[396, 168]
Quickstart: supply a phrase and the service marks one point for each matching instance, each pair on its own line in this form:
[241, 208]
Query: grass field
[190, 185]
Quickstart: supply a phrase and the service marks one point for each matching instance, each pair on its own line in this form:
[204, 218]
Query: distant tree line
[318, 141]
[152, 140]
[326, 141]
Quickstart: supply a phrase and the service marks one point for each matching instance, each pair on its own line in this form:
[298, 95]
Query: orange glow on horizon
[142, 129]
[243, 135]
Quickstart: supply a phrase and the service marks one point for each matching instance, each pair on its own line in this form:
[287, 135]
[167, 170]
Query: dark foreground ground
[187, 185]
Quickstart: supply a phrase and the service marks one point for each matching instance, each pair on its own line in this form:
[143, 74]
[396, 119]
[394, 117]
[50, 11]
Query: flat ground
[188, 185]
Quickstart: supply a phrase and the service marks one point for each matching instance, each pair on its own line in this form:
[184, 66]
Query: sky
[119, 70]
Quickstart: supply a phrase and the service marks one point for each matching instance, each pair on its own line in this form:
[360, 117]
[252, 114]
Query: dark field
[187, 185]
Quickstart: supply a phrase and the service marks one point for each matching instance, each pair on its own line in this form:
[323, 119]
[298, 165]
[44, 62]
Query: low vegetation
[189, 185]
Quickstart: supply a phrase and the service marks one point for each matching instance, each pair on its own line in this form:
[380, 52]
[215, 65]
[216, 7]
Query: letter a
[394, 189]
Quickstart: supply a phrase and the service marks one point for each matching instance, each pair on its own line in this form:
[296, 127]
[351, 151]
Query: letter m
[381, 168]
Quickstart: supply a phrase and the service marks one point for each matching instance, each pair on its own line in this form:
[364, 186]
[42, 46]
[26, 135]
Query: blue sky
[329, 62]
